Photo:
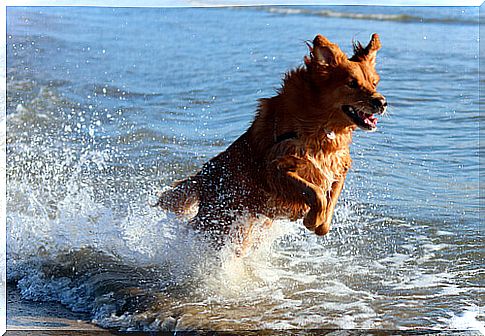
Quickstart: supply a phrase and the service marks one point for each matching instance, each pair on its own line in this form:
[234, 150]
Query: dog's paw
[316, 219]
[317, 223]
[322, 230]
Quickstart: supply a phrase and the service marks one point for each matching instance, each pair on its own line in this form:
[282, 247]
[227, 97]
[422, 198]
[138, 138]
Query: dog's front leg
[315, 219]
[290, 182]
[332, 198]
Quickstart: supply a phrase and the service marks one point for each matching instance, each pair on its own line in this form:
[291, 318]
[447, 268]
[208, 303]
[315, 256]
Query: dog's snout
[379, 102]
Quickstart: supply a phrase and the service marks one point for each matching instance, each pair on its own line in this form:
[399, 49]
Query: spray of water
[80, 231]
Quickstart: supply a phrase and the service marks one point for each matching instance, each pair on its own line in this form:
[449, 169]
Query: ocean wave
[106, 90]
[365, 16]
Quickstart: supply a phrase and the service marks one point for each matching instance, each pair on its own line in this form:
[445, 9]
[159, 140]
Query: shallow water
[106, 106]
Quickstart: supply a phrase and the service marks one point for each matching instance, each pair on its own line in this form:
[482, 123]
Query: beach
[39, 318]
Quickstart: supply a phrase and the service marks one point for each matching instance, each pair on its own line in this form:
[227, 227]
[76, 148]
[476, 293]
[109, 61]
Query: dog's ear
[368, 53]
[323, 52]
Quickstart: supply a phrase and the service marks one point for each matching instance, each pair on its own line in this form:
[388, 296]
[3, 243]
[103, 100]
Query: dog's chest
[327, 167]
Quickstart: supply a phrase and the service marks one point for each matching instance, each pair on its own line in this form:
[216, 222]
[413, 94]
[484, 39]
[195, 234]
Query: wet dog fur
[293, 159]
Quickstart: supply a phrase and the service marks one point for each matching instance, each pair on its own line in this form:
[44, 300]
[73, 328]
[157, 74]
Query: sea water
[105, 106]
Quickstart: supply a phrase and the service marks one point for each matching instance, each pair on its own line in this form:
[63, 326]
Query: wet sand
[31, 318]
[26, 317]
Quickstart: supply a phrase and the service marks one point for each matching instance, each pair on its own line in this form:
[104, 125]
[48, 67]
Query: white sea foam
[468, 319]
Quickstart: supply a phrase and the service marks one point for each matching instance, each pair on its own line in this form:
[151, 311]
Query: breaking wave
[366, 16]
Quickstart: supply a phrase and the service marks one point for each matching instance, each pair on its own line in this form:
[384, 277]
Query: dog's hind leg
[243, 236]
[248, 239]
[214, 223]
[181, 197]
[236, 227]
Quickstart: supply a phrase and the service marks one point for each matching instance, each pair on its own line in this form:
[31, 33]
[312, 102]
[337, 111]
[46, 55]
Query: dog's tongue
[368, 119]
[371, 119]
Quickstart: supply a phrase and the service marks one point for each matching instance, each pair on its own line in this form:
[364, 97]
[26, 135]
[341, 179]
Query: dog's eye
[353, 84]
[375, 82]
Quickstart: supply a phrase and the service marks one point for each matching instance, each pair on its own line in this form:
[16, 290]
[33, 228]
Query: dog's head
[346, 88]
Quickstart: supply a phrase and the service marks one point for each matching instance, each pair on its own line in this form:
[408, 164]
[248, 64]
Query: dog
[293, 160]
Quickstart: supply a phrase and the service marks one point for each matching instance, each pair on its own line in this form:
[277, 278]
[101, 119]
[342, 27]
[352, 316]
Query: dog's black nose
[379, 102]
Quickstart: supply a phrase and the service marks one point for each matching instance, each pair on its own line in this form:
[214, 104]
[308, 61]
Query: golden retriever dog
[293, 159]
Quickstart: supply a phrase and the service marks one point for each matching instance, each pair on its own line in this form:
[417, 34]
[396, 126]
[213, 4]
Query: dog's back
[230, 184]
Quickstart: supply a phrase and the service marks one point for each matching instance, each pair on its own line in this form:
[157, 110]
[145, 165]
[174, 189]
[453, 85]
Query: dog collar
[286, 136]
[293, 135]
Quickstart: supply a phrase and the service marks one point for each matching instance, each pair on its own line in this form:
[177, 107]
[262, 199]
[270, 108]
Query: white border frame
[139, 3]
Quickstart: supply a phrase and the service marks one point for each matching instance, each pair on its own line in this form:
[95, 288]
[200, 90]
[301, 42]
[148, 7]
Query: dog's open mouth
[365, 121]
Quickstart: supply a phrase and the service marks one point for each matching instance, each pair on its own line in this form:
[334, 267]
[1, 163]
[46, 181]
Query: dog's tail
[182, 197]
